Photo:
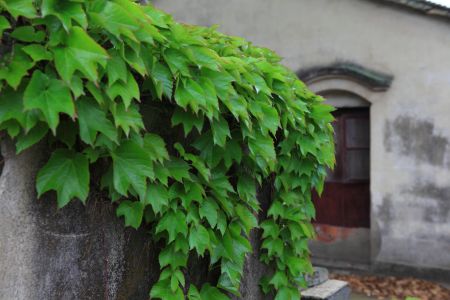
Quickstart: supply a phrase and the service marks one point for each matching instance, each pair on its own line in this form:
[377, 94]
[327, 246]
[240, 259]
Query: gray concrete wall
[410, 127]
[78, 252]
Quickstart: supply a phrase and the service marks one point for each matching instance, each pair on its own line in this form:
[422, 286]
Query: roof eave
[426, 7]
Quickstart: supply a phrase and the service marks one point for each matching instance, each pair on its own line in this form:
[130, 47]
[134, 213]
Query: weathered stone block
[329, 290]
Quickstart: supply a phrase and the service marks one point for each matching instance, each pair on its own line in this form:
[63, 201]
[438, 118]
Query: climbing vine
[178, 124]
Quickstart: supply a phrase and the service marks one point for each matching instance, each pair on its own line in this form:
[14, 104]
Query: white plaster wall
[410, 174]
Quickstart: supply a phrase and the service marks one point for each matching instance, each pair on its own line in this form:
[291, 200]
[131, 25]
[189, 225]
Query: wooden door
[345, 200]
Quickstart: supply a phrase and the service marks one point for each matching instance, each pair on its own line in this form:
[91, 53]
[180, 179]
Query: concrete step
[328, 290]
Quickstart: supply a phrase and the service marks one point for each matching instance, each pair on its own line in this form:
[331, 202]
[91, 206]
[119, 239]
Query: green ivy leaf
[210, 292]
[26, 140]
[67, 173]
[246, 217]
[51, 96]
[80, 52]
[127, 90]
[116, 20]
[131, 167]
[237, 105]
[65, 11]
[155, 147]
[273, 246]
[4, 24]
[172, 257]
[190, 94]
[17, 68]
[92, 120]
[188, 120]
[276, 210]
[270, 229]
[37, 52]
[157, 196]
[28, 34]
[205, 57]
[220, 131]
[163, 80]
[178, 169]
[199, 239]
[95, 91]
[262, 145]
[286, 293]
[222, 82]
[132, 211]
[161, 290]
[11, 106]
[247, 191]
[177, 62]
[208, 210]
[19, 8]
[193, 293]
[116, 69]
[279, 279]
[129, 119]
[77, 86]
[174, 223]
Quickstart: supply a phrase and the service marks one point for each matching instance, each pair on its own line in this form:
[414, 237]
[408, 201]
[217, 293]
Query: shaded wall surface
[410, 127]
[78, 252]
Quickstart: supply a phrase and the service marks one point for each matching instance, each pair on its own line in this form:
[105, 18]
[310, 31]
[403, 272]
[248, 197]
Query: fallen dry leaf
[387, 288]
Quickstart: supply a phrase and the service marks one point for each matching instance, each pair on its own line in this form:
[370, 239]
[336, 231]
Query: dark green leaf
[220, 131]
[199, 239]
[131, 166]
[26, 140]
[65, 11]
[19, 7]
[246, 217]
[161, 290]
[178, 169]
[188, 120]
[67, 173]
[81, 53]
[132, 211]
[127, 119]
[4, 24]
[28, 34]
[210, 292]
[208, 210]
[157, 196]
[163, 79]
[190, 94]
[174, 223]
[127, 90]
[51, 96]
[156, 147]
[92, 119]
[17, 68]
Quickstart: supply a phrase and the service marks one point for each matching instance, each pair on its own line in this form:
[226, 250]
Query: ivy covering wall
[178, 125]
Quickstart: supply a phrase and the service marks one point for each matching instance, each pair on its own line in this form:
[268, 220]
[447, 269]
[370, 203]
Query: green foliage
[180, 124]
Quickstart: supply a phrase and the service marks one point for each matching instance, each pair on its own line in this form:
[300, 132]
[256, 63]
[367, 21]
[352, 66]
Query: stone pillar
[78, 252]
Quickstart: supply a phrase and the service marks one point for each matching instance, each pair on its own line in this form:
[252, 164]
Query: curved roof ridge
[426, 6]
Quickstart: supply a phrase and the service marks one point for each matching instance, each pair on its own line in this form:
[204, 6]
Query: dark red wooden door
[345, 200]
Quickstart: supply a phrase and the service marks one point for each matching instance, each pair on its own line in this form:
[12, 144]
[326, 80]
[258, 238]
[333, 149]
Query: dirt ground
[387, 288]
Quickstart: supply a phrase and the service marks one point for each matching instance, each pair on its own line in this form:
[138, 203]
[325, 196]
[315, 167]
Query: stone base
[329, 290]
[319, 276]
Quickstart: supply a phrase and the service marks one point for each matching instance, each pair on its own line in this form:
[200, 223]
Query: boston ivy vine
[179, 125]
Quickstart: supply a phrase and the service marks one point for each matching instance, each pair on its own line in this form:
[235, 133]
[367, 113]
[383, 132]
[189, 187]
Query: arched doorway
[345, 201]
[343, 210]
